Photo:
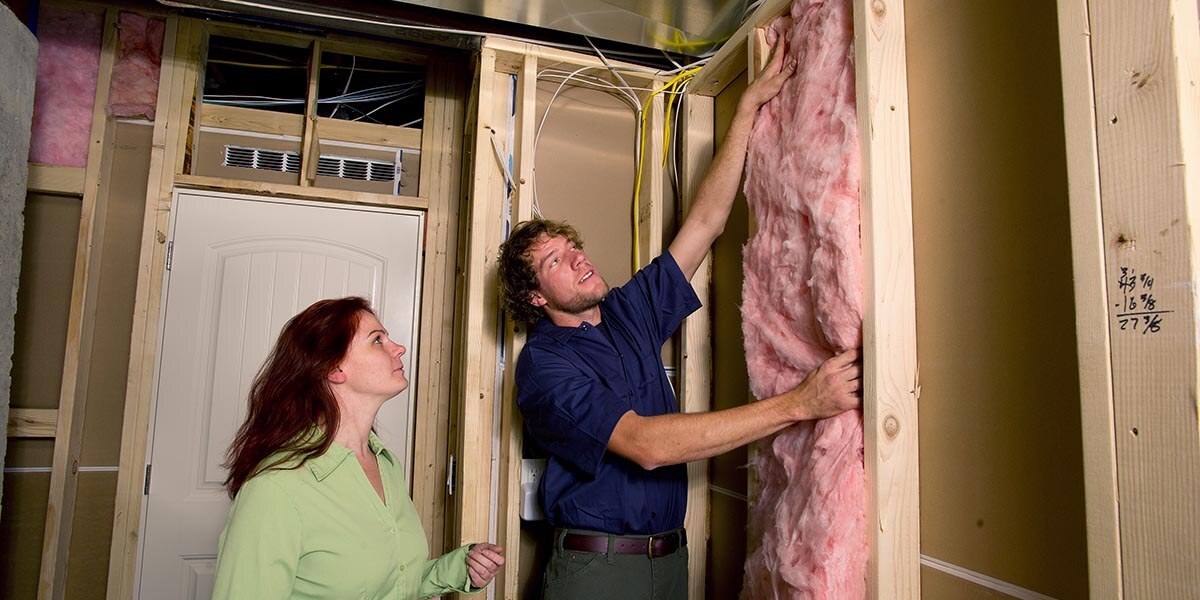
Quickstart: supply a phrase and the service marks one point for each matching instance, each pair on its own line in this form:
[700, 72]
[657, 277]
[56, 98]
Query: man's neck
[565, 319]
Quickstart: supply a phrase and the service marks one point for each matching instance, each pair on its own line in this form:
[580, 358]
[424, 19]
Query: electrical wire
[346, 88]
[671, 85]
[681, 75]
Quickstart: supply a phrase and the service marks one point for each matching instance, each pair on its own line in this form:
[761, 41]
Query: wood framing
[442, 155]
[283, 190]
[488, 506]
[311, 142]
[53, 179]
[890, 377]
[177, 82]
[511, 432]
[730, 60]
[1133, 143]
[32, 422]
[1091, 303]
[889, 322]
[68, 442]
[697, 144]
[440, 142]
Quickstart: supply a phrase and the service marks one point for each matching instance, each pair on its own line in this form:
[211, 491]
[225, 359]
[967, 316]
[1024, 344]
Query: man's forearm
[683, 437]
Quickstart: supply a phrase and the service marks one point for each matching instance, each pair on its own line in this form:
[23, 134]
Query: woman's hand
[483, 562]
[768, 82]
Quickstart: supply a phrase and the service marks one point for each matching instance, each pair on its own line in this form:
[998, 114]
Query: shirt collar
[325, 464]
[562, 335]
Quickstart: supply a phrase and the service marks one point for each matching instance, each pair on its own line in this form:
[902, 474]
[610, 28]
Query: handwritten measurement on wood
[1138, 310]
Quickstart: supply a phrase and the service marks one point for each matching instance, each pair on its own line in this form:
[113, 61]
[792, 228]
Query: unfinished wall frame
[889, 320]
[1133, 137]
[490, 422]
[72, 403]
[440, 143]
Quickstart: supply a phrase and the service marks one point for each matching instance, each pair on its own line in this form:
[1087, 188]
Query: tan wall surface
[585, 173]
[1000, 447]
[118, 282]
[43, 306]
[21, 530]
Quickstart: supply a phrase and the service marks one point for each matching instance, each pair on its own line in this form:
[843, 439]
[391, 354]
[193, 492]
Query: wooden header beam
[730, 60]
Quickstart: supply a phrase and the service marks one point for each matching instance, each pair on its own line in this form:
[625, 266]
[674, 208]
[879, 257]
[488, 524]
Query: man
[594, 395]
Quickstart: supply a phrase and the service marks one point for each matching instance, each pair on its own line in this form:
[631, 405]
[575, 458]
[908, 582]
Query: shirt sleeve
[261, 545]
[569, 412]
[665, 293]
[446, 573]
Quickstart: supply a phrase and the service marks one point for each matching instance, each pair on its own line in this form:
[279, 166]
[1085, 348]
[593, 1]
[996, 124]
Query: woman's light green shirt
[321, 532]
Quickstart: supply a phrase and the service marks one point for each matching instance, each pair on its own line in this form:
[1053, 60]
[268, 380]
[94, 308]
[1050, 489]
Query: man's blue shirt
[575, 383]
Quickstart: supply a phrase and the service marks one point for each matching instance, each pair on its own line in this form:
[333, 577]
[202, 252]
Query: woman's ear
[337, 376]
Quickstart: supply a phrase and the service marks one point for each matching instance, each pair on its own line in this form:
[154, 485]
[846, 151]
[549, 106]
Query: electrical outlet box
[531, 476]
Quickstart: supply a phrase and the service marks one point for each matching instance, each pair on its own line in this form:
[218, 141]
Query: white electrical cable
[346, 88]
[502, 158]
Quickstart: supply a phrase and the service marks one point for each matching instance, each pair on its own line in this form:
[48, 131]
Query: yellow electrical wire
[674, 85]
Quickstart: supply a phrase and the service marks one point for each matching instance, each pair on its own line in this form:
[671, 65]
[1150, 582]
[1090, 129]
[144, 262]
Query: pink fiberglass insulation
[68, 62]
[802, 302]
[135, 74]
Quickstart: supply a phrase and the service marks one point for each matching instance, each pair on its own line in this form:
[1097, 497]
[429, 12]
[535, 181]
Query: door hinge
[146, 486]
[170, 251]
[450, 472]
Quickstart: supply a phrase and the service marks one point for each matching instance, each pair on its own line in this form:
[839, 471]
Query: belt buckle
[650, 547]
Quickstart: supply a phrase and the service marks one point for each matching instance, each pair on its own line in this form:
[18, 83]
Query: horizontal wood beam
[32, 422]
[284, 190]
[53, 179]
[240, 118]
[731, 60]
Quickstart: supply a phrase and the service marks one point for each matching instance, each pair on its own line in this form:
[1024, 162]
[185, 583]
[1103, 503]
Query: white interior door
[238, 268]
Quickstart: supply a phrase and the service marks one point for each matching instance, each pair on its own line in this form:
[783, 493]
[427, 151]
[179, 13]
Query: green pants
[580, 575]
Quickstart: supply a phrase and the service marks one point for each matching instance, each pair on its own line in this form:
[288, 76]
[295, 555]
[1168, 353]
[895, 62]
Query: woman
[320, 508]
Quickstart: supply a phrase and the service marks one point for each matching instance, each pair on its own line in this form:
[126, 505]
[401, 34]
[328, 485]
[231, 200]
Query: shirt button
[392, 530]
[402, 567]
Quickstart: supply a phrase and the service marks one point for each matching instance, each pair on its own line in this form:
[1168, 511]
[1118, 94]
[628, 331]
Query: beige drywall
[43, 306]
[1000, 444]
[584, 172]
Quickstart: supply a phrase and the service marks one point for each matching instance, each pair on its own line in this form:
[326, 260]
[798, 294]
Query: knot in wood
[879, 8]
[891, 427]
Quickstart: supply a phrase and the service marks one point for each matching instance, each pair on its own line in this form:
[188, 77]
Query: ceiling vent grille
[346, 167]
[263, 159]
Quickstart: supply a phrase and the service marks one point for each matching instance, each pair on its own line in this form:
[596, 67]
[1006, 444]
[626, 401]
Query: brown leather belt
[650, 546]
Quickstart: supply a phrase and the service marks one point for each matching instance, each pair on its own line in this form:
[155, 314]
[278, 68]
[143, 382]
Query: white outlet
[531, 475]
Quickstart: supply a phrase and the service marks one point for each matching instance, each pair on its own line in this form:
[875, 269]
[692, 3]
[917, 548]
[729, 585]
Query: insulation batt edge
[135, 73]
[67, 69]
[802, 303]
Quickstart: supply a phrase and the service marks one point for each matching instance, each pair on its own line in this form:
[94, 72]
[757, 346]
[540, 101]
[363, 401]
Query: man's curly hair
[518, 280]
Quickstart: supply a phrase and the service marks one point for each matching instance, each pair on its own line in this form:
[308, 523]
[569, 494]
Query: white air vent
[346, 167]
[263, 159]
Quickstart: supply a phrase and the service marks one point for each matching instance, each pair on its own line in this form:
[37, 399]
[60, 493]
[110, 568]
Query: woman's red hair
[290, 398]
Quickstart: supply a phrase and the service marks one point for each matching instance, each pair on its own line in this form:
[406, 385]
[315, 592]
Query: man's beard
[579, 303]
